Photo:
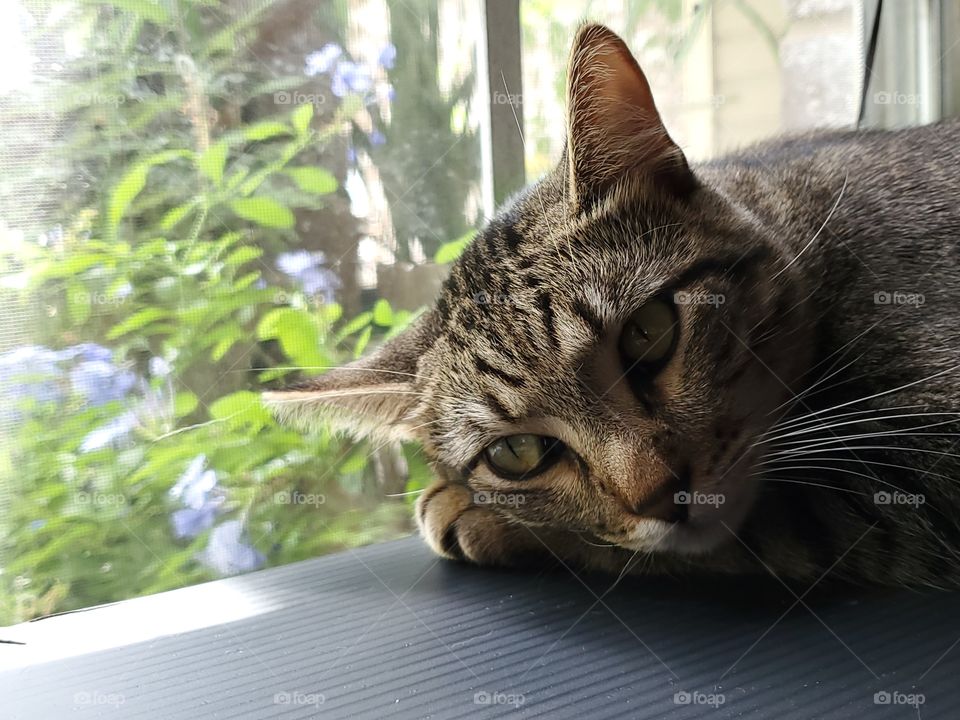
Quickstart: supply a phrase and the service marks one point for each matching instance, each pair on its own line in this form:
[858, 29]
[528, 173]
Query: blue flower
[30, 371]
[87, 351]
[100, 382]
[227, 553]
[350, 77]
[37, 524]
[377, 138]
[388, 56]
[190, 522]
[108, 434]
[323, 59]
[194, 486]
[306, 268]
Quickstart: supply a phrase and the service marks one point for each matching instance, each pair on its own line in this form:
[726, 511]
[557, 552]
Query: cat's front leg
[455, 527]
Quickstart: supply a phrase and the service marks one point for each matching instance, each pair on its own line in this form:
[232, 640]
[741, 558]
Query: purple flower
[86, 351]
[227, 553]
[297, 262]
[377, 138]
[190, 522]
[306, 268]
[350, 77]
[100, 382]
[108, 434]
[194, 486]
[32, 372]
[388, 56]
[323, 59]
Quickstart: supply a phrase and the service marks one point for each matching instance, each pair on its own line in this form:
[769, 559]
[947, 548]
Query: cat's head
[597, 360]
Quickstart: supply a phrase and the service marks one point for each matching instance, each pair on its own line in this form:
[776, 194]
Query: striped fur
[797, 398]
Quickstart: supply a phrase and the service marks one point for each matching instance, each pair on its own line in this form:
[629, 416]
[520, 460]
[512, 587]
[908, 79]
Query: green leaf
[264, 211]
[212, 162]
[382, 313]
[298, 334]
[132, 183]
[313, 180]
[139, 319]
[355, 325]
[266, 130]
[79, 302]
[301, 117]
[175, 215]
[240, 409]
[362, 341]
[243, 255]
[450, 251]
[184, 403]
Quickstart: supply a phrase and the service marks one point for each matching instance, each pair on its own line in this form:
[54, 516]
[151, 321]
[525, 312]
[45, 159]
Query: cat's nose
[670, 500]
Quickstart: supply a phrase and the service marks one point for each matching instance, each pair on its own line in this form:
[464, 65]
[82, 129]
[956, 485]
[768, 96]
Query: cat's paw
[457, 528]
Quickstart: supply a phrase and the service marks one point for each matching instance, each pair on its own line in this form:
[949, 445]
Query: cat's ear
[613, 127]
[374, 396]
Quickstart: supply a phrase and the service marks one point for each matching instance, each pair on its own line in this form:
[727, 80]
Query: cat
[747, 366]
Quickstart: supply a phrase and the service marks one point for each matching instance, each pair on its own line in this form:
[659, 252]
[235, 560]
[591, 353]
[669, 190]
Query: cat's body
[806, 299]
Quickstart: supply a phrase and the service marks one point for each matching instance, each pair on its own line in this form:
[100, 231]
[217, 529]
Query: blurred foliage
[174, 290]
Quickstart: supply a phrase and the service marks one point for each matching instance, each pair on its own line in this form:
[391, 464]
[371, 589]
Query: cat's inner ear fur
[375, 396]
[613, 127]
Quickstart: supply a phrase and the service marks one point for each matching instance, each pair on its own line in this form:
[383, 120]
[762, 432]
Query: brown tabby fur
[798, 237]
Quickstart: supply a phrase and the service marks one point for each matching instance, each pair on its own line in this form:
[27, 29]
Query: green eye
[650, 334]
[517, 457]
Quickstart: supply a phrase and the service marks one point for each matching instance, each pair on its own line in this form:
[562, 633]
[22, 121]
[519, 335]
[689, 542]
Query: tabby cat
[752, 365]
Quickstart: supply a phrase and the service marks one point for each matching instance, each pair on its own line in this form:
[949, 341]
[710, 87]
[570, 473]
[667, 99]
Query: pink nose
[666, 502]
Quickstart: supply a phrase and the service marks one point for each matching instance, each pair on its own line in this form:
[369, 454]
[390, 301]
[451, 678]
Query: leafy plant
[177, 286]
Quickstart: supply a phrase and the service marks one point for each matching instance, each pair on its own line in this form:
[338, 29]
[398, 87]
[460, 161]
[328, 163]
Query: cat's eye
[650, 334]
[517, 457]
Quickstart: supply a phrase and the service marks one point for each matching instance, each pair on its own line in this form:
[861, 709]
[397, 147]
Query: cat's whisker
[334, 367]
[796, 257]
[932, 376]
[815, 443]
[833, 458]
[818, 428]
[812, 418]
[813, 484]
[405, 494]
[809, 390]
[846, 471]
[889, 448]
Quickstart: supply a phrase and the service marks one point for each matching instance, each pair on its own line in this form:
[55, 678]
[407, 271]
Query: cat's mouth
[713, 510]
